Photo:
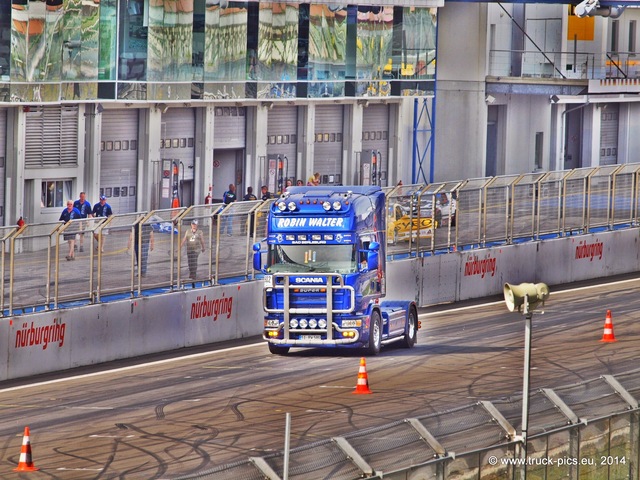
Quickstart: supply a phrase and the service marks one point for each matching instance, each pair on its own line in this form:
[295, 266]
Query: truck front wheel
[411, 334]
[277, 350]
[375, 333]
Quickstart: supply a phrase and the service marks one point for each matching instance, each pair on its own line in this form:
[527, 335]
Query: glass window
[52, 41]
[108, 40]
[418, 43]
[327, 66]
[614, 36]
[55, 193]
[170, 40]
[5, 39]
[225, 41]
[134, 23]
[312, 258]
[373, 47]
[278, 40]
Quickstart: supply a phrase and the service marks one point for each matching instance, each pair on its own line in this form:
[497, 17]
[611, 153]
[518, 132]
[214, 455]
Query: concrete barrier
[62, 339]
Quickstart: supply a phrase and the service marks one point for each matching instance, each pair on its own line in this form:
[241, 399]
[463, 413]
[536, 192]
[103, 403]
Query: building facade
[162, 102]
[155, 103]
[532, 87]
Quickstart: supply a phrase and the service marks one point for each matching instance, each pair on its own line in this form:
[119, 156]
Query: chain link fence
[589, 430]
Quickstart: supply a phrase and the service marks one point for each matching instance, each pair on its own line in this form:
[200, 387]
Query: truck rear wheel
[411, 334]
[375, 333]
[277, 350]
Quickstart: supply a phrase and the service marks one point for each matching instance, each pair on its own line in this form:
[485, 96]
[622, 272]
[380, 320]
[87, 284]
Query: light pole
[525, 298]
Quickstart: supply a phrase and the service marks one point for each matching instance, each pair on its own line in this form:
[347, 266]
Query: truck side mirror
[257, 257]
[372, 255]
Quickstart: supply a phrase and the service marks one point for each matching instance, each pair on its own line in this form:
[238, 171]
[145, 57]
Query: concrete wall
[470, 274]
[460, 99]
[63, 339]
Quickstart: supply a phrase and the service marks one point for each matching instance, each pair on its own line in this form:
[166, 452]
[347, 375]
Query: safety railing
[584, 430]
[479, 212]
[567, 65]
[141, 252]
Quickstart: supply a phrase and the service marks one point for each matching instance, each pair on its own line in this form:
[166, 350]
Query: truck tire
[375, 333]
[277, 350]
[411, 335]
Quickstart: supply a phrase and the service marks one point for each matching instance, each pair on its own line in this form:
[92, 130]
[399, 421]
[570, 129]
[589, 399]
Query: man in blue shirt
[101, 209]
[228, 197]
[84, 207]
[70, 213]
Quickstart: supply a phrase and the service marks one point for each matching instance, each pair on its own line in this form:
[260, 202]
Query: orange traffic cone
[608, 336]
[26, 463]
[362, 386]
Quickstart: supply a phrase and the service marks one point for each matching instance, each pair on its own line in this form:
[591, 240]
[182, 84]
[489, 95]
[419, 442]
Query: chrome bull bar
[287, 311]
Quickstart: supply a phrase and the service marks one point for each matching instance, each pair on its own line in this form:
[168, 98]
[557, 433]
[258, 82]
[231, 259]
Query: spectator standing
[266, 194]
[299, 183]
[101, 209]
[143, 243]
[83, 205]
[68, 214]
[227, 198]
[194, 238]
[249, 196]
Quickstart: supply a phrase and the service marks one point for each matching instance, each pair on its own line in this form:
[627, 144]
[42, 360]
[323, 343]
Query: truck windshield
[312, 258]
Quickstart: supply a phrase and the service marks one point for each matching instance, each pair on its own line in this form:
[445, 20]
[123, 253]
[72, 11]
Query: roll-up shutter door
[328, 143]
[282, 137]
[609, 134]
[51, 136]
[178, 127]
[118, 167]
[3, 160]
[375, 133]
[229, 129]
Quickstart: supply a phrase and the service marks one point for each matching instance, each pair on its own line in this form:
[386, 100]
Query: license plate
[310, 337]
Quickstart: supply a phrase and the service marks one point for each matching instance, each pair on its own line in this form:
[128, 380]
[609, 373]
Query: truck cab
[325, 272]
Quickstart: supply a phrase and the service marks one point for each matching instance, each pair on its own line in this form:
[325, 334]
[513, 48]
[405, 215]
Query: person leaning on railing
[68, 214]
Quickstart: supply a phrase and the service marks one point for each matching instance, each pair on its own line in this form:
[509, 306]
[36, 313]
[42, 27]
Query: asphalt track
[169, 415]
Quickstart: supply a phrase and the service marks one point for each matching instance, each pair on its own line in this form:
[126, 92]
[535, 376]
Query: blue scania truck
[325, 272]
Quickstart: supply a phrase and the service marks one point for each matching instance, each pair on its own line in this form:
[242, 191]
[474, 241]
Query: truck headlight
[303, 323]
[293, 323]
[282, 206]
[337, 205]
[326, 205]
[351, 323]
[272, 323]
[313, 323]
[322, 323]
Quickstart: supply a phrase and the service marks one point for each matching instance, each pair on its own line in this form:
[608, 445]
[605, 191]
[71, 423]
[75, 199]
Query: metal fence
[581, 431]
[565, 65]
[422, 220]
[514, 208]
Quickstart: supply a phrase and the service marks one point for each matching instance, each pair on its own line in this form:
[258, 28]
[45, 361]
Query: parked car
[406, 221]
[445, 208]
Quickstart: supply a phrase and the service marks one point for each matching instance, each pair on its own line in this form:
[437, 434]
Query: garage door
[328, 143]
[282, 137]
[229, 129]
[119, 153]
[375, 134]
[609, 134]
